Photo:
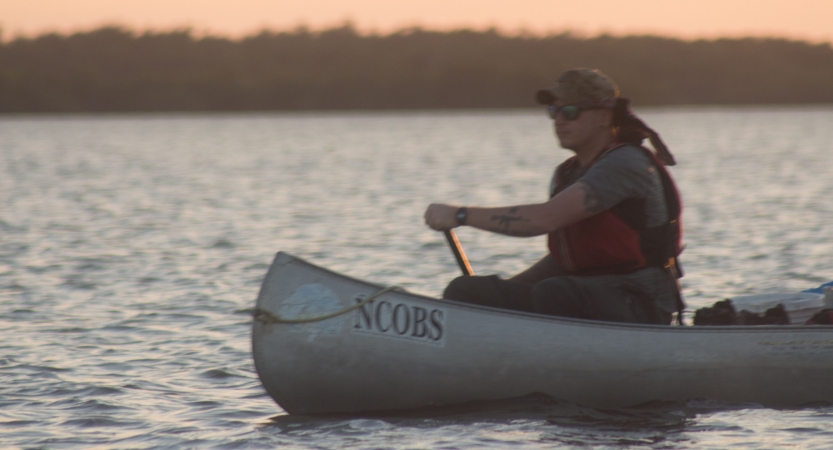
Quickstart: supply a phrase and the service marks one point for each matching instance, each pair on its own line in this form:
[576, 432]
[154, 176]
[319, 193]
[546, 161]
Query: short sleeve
[627, 173]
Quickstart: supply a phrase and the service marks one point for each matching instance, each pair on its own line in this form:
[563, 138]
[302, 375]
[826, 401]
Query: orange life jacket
[617, 240]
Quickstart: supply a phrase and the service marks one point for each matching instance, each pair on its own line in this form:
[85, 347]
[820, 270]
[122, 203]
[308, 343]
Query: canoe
[398, 350]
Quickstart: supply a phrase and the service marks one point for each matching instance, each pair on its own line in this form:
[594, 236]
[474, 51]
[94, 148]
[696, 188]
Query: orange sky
[801, 19]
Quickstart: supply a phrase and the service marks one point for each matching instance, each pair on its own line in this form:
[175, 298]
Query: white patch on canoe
[398, 319]
[313, 300]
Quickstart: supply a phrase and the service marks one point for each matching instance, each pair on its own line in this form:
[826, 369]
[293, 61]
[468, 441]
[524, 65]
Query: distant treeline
[113, 69]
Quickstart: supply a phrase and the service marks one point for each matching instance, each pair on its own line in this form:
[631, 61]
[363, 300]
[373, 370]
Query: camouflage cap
[583, 87]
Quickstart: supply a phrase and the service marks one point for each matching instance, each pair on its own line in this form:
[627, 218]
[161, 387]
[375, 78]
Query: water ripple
[132, 249]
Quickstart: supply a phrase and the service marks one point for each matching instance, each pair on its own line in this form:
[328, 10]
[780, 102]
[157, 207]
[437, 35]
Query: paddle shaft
[457, 249]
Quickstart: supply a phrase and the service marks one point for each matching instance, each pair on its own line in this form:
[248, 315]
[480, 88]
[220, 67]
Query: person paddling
[612, 220]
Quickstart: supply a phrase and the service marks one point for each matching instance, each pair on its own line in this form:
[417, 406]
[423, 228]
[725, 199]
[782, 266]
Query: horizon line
[301, 27]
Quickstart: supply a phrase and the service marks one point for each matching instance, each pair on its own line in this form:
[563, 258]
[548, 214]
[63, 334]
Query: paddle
[457, 249]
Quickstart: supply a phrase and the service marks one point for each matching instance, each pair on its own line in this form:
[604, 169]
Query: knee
[459, 288]
[472, 289]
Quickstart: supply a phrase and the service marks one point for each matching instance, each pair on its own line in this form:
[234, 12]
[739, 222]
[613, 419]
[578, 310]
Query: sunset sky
[799, 19]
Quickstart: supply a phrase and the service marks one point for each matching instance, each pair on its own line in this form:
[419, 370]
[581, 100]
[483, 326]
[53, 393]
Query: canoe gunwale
[672, 328]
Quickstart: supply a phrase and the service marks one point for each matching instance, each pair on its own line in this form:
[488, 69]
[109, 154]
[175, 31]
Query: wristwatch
[461, 215]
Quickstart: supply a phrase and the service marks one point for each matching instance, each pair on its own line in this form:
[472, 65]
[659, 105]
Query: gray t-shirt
[627, 173]
[623, 174]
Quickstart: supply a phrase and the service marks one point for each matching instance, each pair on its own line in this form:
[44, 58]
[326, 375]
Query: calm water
[132, 249]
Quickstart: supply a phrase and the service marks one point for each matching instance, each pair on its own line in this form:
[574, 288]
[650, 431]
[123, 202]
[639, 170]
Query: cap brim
[545, 97]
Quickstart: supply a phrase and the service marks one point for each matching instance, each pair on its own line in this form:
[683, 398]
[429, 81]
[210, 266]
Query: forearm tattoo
[592, 201]
[504, 221]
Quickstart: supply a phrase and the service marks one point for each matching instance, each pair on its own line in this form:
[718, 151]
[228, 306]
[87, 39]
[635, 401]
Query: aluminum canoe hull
[403, 351]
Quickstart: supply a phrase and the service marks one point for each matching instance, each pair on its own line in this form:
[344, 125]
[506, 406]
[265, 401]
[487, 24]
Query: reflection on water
[132, 249]
[535, 421]
[531, 421]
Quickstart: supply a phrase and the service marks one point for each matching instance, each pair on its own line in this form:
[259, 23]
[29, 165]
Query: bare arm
[572, 205]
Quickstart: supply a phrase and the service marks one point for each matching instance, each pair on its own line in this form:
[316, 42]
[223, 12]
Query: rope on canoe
[266, 317]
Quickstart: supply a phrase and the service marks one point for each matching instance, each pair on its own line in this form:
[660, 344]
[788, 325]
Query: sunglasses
[569, 112]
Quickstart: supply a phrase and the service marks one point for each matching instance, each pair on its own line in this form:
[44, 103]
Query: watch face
[461, 216]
